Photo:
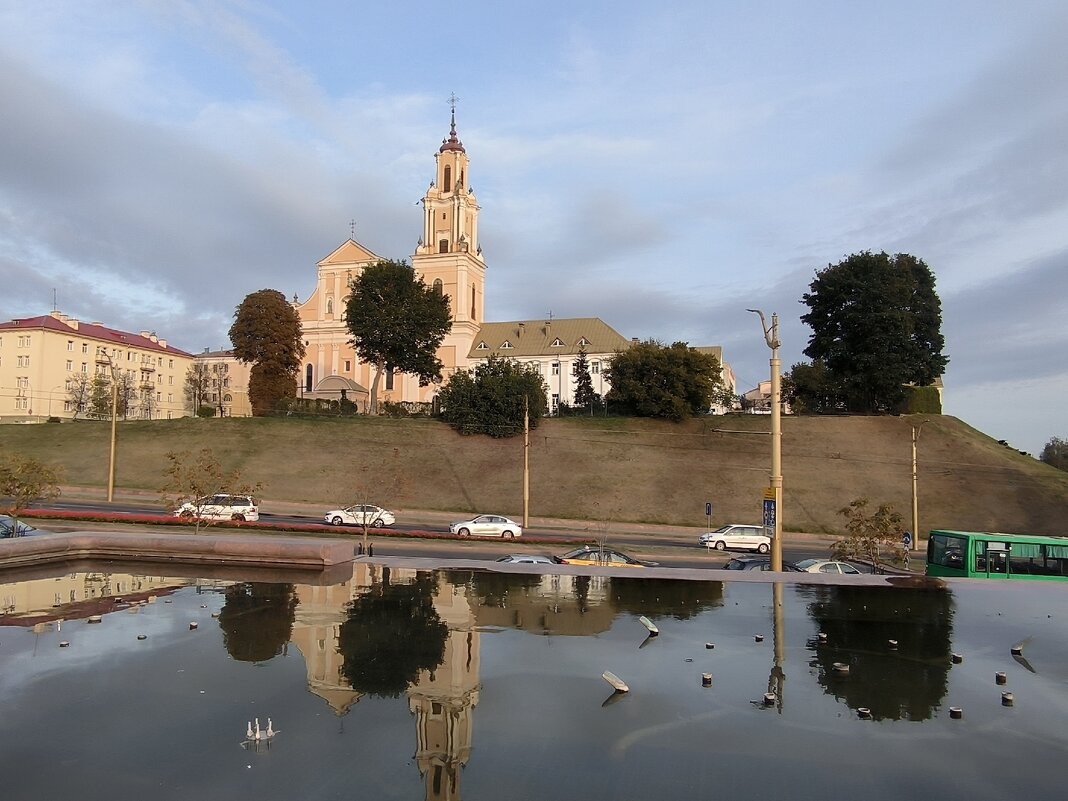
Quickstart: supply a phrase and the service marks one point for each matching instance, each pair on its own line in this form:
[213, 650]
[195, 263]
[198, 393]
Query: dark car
[758, 563]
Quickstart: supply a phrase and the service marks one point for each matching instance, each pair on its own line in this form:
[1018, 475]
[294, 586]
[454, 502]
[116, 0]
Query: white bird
[249, 734]
[259, 734]
[270, 729]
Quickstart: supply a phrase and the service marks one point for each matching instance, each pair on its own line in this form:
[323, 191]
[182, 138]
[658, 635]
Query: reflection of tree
[909, 682]
[389, 634]
[491, 588]
[257, 620]
[665, 597]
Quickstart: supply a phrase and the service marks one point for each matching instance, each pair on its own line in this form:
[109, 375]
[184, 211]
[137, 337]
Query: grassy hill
[591, 468]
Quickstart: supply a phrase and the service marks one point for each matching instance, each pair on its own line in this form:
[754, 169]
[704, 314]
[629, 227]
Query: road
[669, 546]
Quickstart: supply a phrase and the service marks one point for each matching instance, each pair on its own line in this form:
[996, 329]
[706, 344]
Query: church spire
[452, 142]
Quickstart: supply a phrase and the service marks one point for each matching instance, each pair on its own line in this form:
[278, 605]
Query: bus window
[946, 551]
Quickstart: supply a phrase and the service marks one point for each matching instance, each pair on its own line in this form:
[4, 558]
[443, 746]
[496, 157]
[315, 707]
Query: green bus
[968, 554]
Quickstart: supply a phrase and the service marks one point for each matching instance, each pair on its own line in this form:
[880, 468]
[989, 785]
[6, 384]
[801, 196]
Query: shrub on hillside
[206, 411]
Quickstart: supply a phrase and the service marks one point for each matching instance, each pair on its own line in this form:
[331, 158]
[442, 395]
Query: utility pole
[526, 461]
[915, 488]
[114, 416]
[771, 336]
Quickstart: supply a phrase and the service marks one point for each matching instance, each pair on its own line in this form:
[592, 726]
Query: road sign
[708, 508]
[769, 493]
[769, 514]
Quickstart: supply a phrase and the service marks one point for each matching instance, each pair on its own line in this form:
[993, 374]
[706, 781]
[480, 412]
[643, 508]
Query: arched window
[447, 183]
[443, 246]
[308, 378]
[439, 288]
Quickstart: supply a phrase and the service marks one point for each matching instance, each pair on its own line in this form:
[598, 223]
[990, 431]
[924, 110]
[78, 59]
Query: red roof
[99, 333]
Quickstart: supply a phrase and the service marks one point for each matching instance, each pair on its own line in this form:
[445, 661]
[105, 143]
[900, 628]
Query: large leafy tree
[266, 333]
[397, 322]
[490, 400]
[876, 325]
[651, 380]
[24, 480]
[1055, 453]
[257, 620]
[197, 386]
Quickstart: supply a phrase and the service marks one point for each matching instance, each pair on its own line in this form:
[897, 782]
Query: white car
[487, 526]
[827, 566]
[361, 514]
[737, 537]
[220, 507]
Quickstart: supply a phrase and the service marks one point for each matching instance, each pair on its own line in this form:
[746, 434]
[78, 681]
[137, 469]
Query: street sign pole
[708, 513]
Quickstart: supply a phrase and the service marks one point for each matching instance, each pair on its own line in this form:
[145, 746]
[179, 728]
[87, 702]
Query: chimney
[163, 343]
[634, 340]
[145, 334]
[548, 326]
[522, 328]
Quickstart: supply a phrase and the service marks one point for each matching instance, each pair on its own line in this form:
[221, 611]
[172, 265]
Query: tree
[197, 386]
[195, 479]
[869, 535]
[1055, 453]
[651, 380]
[810, 389]
[876, 325]
[146, 409]
[397, 323]
[100, 398]
[23, 480]
[491, 399]
[78, 391]
[266, 334]
[127, 394]
[257, 620]
[585, 397]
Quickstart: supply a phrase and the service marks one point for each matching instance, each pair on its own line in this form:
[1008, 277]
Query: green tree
[1055, 453]
[869, 535]
[585, 397]
[876, 325]
[257, 620]
[651, 380]
[23, 480]
[99, 397]
[397, 323]
[266, 333]
[811, 389]
[197, 386]
[490, 400]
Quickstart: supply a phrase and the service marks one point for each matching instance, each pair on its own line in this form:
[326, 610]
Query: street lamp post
[114, 415]
[915, 488]
[771, 336]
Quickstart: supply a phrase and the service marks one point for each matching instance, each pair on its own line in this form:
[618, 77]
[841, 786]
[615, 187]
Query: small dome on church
[452, 142]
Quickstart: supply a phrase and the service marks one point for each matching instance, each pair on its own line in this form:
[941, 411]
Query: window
[556, 401]
[170, 380]
[439, 288]
[85, 367]
[85, 347]
[389, 378]
[170, 398]
[66, 406]
[70, 344]
[506, 345]
[348, 366]
[447, 183]
[556, 368]
[482, 346]
[473, 316]
[170, 364]
[583, 342]
[70, 366]
[595, 368]
[308, 378]
[557, 343]
[443, 246]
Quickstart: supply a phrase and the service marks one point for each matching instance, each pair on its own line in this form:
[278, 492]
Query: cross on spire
[352, 229]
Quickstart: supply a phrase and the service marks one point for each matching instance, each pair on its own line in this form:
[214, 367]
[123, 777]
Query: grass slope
[591, 468]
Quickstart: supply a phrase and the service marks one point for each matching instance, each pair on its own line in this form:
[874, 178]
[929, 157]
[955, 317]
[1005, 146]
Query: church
[449, 259]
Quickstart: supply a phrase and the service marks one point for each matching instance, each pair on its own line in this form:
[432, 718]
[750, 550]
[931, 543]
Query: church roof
[525, 339]
[350, 251]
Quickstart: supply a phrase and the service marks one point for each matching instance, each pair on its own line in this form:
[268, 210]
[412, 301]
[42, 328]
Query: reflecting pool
[399, 684]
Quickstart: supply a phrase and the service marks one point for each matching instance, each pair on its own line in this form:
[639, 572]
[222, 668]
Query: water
[403, 685]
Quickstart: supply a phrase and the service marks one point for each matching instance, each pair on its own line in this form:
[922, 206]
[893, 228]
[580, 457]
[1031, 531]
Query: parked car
[757, 563]
[602, 557]
[827, 566]
[526, 559]
[220, 507]
[487, 526]
[361, 514]
[737, 537]
[8, 528]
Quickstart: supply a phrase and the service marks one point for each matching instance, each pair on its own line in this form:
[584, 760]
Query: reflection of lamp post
[777, 679]
[915, 496]
[771, 335]
[101, 353]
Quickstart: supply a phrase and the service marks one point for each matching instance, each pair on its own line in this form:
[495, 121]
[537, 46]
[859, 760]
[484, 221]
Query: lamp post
[771, 336]
[100, 352]
[915, 487]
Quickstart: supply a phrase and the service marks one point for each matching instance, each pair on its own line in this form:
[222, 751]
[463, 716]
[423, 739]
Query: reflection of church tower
[442, 700]
[449, 257]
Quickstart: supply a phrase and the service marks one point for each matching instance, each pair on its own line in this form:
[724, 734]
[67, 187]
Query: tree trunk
[379, 369]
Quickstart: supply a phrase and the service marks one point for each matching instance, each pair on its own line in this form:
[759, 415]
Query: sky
[662, 166]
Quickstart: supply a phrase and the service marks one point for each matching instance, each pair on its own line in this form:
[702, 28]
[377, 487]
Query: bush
[54, 419]
[406, 409]
[206, 411]
[922, 400]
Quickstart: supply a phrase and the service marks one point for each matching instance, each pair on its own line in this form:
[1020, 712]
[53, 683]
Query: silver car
[526, 559]
[737, 537]
[487, 526]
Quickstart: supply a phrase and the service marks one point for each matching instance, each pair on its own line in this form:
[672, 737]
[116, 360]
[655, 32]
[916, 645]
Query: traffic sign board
[708, 508]
[769, 514]
[769, 493]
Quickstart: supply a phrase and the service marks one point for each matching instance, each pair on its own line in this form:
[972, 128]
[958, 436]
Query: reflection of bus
[997, 556]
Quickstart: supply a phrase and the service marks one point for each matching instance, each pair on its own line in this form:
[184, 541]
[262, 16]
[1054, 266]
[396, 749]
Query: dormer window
[482, 346]
[557, 343]
[506, 345]
[583, 342]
